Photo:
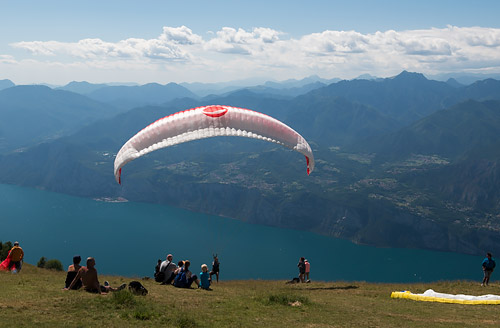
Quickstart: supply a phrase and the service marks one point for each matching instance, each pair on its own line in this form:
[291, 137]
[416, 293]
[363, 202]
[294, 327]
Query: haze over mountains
[402, 162]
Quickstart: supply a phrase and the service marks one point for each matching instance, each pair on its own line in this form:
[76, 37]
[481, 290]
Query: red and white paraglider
[210, 121]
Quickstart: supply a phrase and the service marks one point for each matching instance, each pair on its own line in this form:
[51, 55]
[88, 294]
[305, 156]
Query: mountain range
[400, 162]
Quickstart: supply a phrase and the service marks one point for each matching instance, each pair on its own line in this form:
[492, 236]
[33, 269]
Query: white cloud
[237, 53]
[7, 59]
[180, 35]
[166, 47]
[335, 42]
[232, 41]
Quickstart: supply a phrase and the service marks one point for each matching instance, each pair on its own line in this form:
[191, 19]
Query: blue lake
[128, 238]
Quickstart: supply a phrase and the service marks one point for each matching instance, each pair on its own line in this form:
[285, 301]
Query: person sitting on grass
[204, 277]
[90, 282]
[72, 272]
[157, 271]
[185, 278]
[167, 270]
[180, 265]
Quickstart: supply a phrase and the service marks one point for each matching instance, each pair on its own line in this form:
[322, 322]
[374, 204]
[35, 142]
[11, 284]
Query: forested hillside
[401, 162]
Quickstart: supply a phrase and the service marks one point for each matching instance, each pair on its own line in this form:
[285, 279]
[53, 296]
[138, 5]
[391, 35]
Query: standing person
[308, 269]
[72, 272]
[302, 269]
[215, 268]
[16, 257]
[488, 267]
[204, 277]
[90, 282]
[167, 269]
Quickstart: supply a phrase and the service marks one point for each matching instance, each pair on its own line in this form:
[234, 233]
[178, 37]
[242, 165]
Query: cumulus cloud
[232, 41]
[167, 47]
[180, 35]
[335, 42]
[235, 53]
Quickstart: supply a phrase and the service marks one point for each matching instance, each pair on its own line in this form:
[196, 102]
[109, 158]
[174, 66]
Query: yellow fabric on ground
[425, 298]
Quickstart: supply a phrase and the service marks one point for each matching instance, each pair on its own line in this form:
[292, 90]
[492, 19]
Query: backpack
[137, 288]
[160, 276]
[181, 279]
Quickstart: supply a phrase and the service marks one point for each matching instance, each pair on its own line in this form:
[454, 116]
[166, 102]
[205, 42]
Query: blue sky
[212, 41]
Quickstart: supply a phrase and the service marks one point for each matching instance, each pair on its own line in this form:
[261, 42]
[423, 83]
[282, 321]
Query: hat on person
[170, 255]
[16, 243]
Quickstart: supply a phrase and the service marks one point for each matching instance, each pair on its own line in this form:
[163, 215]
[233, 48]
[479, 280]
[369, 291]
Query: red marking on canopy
[307, 162]
[215, 111]
[120, 176]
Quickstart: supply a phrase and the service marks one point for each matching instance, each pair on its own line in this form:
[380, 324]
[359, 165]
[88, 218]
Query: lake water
[128, 238]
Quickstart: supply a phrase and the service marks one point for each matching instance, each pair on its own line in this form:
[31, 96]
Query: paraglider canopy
[210, 121]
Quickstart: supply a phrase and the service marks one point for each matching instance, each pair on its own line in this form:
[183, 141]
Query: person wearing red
[308, 269]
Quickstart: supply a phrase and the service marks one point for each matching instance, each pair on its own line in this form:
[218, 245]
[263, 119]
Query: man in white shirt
[168, 267]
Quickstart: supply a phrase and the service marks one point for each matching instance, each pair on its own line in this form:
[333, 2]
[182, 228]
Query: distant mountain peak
[409, 76]
[4, 84]
[366, 76]
[454, 83]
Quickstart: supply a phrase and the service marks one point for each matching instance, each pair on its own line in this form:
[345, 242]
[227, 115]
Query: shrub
[54, 265]
[41, 262]
[123, 298]
[4, 249]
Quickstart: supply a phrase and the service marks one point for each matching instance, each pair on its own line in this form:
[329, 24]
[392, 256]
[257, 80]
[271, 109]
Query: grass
[34, 297]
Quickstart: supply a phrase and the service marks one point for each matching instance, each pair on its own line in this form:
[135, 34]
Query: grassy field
[34, 297]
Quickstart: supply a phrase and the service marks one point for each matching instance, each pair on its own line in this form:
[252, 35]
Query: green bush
[54, 265]
[123, 298]
[41, 262]
[4, 249]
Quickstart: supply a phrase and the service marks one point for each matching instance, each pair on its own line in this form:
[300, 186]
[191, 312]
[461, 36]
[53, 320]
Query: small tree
[41, 262]
[54, 265]
[4, 250]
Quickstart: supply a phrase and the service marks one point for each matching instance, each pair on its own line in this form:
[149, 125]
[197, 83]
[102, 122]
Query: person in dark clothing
[302, 269]
[157, 269]
[215, 268]
[488, 267]
[72, 272]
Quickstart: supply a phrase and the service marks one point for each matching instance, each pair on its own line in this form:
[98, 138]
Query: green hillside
[34, 297]
[32, 114]
[429, 183]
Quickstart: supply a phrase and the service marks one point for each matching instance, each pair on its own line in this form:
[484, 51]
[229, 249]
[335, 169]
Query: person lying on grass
[90, 282]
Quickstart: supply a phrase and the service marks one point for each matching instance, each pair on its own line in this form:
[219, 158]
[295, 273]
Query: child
[204, 277]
